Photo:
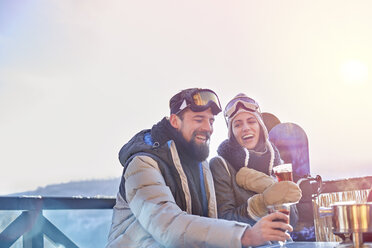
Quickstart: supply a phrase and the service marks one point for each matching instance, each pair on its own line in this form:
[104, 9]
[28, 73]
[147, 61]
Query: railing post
[33, 226]
[34, 238]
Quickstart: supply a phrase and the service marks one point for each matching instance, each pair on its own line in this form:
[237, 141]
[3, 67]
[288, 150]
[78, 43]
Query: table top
[305, 245]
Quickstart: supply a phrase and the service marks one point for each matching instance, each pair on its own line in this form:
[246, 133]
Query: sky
[79, 78]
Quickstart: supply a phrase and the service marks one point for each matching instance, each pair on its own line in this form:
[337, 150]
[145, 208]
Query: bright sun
[354, 71]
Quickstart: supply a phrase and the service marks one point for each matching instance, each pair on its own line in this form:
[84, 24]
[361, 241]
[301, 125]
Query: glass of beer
[283, 208]
[283, 172]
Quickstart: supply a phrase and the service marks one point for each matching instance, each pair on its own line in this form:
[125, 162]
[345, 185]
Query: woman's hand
[253, 180]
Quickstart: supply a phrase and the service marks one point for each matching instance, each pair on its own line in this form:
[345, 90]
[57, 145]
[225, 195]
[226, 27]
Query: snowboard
[292, 143]
[270, 120]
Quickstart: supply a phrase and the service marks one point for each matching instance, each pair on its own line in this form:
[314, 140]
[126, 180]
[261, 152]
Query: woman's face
[246, 130]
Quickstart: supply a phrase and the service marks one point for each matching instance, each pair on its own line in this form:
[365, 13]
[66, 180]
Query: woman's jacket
[232, 200]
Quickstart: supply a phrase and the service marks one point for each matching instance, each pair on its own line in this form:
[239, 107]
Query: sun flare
[354, 71]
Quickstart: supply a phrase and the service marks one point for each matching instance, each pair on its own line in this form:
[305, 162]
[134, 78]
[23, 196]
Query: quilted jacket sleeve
[153, 205]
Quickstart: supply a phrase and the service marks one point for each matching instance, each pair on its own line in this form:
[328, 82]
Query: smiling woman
[354, 71]
[243, 168]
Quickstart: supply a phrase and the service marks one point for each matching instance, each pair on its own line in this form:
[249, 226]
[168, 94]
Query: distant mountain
[86, 228]
[104, 187]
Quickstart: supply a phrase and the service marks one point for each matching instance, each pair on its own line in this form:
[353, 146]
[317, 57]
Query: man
[166, 196]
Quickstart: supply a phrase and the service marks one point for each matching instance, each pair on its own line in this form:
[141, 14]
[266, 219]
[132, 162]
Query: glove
[253, 180]
[282, 192]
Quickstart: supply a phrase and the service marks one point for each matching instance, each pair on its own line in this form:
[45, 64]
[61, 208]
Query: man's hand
[267, 230]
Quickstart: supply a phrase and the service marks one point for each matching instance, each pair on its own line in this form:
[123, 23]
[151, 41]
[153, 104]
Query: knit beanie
[240, 108]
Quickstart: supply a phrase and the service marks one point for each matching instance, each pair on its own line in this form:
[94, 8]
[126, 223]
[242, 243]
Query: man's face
[197, 127]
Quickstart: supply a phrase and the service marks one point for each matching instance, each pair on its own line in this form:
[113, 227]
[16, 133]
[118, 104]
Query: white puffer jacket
[151, 218]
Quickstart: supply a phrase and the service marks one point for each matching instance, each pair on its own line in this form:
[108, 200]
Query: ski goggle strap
[201, 100]
[240, 102]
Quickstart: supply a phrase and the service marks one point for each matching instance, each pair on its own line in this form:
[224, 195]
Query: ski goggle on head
[238, 102]
[198, 100]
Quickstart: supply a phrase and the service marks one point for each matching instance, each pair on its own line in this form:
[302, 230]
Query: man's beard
[199, 152]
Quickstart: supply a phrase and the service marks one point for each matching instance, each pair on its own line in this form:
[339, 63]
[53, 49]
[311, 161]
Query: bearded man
[166, 196]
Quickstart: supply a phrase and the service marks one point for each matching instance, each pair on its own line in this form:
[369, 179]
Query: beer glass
[283, 172]
[283, 208]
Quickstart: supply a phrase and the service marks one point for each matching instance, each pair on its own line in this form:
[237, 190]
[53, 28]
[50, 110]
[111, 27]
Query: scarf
[239, 157]
[164, 131]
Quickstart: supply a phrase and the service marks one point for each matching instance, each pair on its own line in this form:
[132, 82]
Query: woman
[242, 171]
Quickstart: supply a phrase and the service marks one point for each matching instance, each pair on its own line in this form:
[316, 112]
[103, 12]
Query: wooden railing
[317, 193]
[32, 225]
[350, 189]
